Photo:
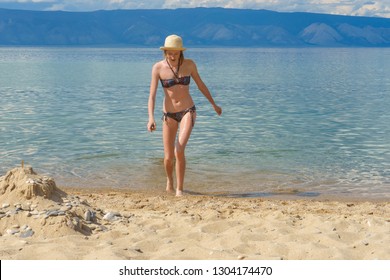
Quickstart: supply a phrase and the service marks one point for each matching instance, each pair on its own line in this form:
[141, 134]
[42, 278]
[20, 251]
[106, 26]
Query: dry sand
[42, 222]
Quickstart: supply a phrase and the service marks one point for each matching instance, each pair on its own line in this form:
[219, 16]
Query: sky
[380, 8]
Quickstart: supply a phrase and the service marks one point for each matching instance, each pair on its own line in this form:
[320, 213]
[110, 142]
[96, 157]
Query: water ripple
[289, 122]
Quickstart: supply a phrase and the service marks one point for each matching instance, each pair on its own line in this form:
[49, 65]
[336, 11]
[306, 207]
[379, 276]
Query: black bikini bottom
[178, 116]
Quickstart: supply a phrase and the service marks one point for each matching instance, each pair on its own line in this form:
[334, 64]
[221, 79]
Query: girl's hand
[151, 126]
[218, 110]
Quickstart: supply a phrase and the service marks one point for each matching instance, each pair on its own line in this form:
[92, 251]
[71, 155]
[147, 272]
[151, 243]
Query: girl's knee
[169, 159]
[179, 152]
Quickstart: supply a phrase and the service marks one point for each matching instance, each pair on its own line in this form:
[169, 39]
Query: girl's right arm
[152, 98]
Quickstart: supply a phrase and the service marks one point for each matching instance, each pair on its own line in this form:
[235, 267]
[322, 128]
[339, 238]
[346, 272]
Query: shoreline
[277, 195]
[149, 225]
[236, 186]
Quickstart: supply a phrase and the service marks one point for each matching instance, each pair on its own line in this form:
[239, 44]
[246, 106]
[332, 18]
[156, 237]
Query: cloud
[345, 7]
[92, 5]
[372, 9]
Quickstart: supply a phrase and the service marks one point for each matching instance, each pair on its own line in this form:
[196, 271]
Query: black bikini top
[185, 81]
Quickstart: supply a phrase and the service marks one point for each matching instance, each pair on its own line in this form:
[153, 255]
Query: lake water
[309, 122]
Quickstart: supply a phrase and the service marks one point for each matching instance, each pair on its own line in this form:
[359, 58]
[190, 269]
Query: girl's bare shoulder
[189, 63]
[158, 66]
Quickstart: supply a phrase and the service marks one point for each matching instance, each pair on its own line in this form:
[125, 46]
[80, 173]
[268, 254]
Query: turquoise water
[303, 121]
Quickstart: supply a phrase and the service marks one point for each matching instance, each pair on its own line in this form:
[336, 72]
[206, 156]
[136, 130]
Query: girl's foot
[169, 188]
[179, 193]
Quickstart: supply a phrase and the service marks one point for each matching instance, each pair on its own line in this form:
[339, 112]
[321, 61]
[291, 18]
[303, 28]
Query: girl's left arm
[203, 88]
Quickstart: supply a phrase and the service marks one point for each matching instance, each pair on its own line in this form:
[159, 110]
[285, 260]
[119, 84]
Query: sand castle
[32, 204]
[24, 183]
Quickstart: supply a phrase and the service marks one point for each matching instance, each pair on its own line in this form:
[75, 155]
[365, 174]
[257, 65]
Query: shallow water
[308, 122]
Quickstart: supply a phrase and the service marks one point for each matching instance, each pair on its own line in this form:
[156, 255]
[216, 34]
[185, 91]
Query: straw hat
[173, 43]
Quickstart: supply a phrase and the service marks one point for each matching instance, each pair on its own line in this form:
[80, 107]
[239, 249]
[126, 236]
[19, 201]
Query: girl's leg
[184, 135]
[169, 135]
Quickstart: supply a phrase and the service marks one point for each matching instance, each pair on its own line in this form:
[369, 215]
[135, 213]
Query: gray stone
[55, 213]
[87, 215]
[11, 212]
[27, 233]
[52, 213]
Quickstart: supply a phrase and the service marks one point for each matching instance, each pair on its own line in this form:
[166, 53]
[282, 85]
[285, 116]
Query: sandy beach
[41, 221]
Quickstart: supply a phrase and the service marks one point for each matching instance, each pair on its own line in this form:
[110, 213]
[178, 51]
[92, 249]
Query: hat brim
[172, 49]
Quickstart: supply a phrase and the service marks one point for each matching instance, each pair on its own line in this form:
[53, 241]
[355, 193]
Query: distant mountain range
[197, 26]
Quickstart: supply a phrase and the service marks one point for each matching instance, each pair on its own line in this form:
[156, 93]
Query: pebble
[18, 207]
[34, 212]
[24, 227]
[55, 213]
[111, 216]
[28, 233]
[87, 215]
[25, 208]
[12, 231]
[51, 213]
[5, 205]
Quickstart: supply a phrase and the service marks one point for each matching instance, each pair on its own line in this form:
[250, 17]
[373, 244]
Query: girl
[175, 73]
